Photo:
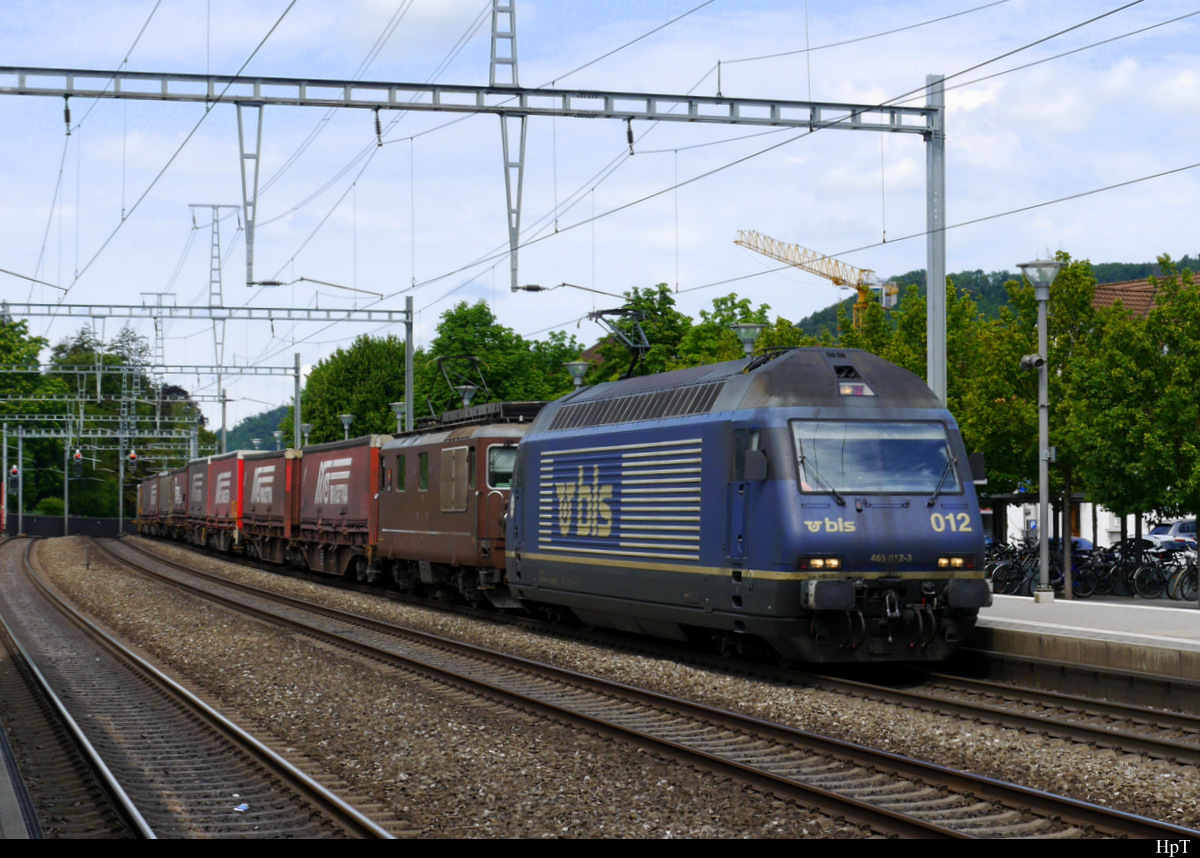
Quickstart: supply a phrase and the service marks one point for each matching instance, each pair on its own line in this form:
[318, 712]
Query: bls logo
[587, 504]
[831, 526]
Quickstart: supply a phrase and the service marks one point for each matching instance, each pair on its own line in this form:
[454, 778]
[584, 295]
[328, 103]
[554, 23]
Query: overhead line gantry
[513, 102]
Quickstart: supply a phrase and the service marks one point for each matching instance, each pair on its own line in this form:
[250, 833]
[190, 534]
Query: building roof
[1136, 296]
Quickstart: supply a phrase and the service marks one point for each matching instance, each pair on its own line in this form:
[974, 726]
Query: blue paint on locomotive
[720, 499]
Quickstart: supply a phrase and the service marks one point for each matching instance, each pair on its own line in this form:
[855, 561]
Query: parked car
[1179, 531]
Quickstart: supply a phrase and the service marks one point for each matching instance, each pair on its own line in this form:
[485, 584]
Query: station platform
[1161, 638]
[13, 824]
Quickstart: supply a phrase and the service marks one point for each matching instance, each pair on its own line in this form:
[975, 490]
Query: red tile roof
[1137, 296]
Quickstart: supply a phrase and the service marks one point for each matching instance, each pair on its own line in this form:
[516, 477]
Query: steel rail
[344, 814]
[121, 800]
[1071, 811]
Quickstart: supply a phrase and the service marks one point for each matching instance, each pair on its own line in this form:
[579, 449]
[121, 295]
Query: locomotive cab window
[401, 470]
[501, 460]
[874, 457]
[423, 477]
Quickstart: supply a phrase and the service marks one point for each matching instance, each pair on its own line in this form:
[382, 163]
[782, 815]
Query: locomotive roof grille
[637, 407]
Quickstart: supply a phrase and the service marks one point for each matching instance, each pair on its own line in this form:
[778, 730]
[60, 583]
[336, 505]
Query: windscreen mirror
[978, 469]
[755, 465]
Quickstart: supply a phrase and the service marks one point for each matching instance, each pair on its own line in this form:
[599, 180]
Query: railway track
[175, 767]
[63, 798]
[1126, 728]
[884, 792]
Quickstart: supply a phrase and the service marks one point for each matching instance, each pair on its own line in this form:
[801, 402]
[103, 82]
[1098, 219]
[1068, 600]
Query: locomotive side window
[501, 460]
[401, 470]
[423, 477]
[874, 456]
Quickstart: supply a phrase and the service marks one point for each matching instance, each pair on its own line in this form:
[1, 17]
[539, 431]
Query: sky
[1070, 126]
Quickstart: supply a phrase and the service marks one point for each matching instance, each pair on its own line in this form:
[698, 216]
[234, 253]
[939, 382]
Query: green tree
[258, 426]
[550, 357]
[366, 378]
[1133, 420]
[664, 326]
[875, 335]
[712, 339]
[782, 334]
[512, 368]
[361, 380]
[20, 396]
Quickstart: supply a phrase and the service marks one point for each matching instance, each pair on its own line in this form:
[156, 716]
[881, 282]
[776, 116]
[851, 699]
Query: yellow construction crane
[863, 280]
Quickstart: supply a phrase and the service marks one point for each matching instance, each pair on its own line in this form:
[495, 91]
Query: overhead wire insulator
[378, 129]
[67, 113]
[629, 133]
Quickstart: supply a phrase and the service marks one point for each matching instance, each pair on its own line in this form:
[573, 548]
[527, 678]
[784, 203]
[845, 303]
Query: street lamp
[278, 433]
[467, 393]
[398, 410]
[578, 369]
[1041, 274]
[257, 442]
[346, 419]
[305, 428]
[747, 332]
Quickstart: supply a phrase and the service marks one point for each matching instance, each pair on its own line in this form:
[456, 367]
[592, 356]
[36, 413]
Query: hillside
[987, 290]
[258, 426]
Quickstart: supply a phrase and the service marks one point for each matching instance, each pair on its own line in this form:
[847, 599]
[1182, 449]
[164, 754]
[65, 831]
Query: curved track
[178, 767]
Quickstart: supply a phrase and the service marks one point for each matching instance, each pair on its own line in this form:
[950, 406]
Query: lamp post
[346, 419]
[1041, 274]
[257, 442]
[578, 369]
[747, 332]
[398, 410]
[466, 392]
[278, 433]
[305, 428]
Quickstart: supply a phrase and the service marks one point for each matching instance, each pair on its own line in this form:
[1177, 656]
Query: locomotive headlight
[820, 563]
[953, 563]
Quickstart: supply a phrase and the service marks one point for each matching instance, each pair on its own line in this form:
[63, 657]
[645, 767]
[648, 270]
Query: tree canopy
[91, 393]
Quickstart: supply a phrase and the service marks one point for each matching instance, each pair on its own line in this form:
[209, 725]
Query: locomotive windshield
[875, 457]
[501, 461]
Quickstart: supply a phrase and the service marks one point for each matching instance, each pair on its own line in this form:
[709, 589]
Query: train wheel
[728, 646]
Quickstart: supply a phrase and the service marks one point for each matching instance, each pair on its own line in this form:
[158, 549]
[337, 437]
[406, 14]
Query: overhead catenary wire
[490, 257]
[174, 155]
[920, 90]
[696, 178]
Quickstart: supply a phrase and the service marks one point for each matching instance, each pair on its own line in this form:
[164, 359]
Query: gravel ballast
[455, 766]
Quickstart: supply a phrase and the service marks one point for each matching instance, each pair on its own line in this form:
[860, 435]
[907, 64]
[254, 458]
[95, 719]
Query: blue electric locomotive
[818, 500]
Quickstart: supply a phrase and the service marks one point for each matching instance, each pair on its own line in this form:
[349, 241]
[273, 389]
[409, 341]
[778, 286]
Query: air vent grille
[656, 405]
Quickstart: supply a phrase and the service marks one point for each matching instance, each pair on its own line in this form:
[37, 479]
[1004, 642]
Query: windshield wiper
[938, 488]
[836, 495]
